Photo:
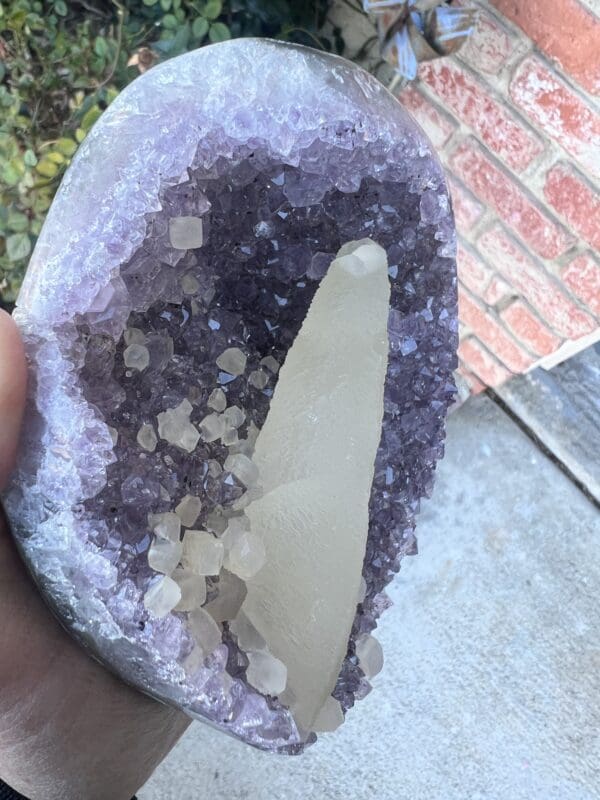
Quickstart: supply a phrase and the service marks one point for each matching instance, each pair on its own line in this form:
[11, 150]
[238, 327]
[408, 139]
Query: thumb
[13, 378]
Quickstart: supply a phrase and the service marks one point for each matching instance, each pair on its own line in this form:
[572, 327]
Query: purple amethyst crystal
[176, 268]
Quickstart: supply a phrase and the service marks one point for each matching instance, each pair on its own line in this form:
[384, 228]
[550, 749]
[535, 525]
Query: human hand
[69, 730]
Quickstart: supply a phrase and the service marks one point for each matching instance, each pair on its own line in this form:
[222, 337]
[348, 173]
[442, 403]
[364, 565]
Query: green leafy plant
[62, 63]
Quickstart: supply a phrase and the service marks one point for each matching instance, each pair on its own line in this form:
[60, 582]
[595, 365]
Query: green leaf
[17, 221]
[61, 7]
[47, 168]
[169, 21]
[219, 32]
[101, 46]
[90, 117]
[200, 27]
[18, 246]
[213, 9]
[29, 158]
[150, 2]
[55, 157]
[181, 40]
[66, 146]
[109, 94]
[165, 4]
[10, 174]
[17, 19]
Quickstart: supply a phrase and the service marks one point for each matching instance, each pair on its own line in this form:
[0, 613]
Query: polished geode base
[174, 274]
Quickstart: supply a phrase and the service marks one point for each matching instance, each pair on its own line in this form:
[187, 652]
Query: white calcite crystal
[230, 437]
[175, 427]
[245, 553]
[231, 594]
[164, 555]
[217, 400]
[212, 427]
[313, 516]
[167, 525]
[204, 629]
[369, 654]
[186, 233]
[193, 589]
[162, 596]
[134, 336]
[258, 379]
[248, 638]
[234, 416]
[136, 356]
[190, 284]
[330, 717]
[147, 437]
[202, 553]
[244, 469]
[232, 360]
[266, 673]
[188, 510]
[271, 364]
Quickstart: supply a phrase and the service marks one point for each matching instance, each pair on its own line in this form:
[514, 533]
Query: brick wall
[516, 120]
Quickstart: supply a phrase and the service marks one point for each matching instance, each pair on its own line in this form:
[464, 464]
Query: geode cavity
[196, 228]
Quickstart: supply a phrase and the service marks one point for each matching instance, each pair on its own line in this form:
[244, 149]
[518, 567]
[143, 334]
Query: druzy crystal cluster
[222, 387]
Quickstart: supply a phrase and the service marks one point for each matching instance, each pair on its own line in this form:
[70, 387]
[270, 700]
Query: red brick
[510, 200]
[472, 271]
[529, 329]
[565, 31]
[467, 210]
[567, 191]
[582, 276]
[492, 334]
[481, 363]
[496, 291]
[435, 122]
[490, 46]
[536, 286]
[472, 102]
[561, 113]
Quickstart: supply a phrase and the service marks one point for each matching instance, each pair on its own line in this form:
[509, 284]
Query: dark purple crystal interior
[270, 232]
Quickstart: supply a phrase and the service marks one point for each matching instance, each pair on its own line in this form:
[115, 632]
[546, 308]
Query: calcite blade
[198, 224]
[316, 458]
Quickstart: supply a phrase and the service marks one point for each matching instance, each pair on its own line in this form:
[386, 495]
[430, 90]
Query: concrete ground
[491, 688]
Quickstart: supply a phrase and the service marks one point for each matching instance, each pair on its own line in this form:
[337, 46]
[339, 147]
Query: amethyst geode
[175, 271]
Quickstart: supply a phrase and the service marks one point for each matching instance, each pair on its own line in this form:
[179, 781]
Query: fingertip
[13, 382]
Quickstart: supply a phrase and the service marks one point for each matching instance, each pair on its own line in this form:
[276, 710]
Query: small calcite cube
[266, 673]
[136, 356]
[188, 510]
[186, 233]
[167, 525]
[243, 468]
[233, 360]
[162, 597]
[193, 589]
[164, 555]
[202, 553]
